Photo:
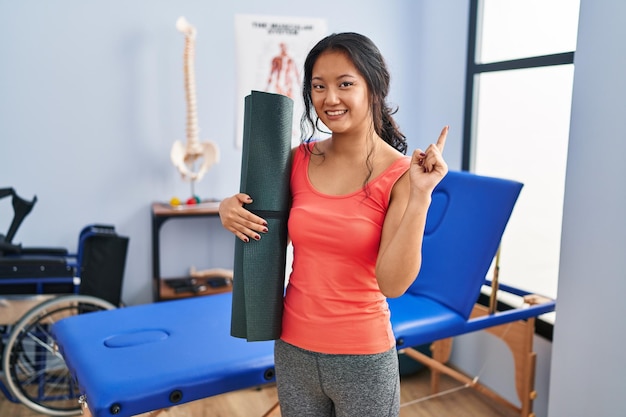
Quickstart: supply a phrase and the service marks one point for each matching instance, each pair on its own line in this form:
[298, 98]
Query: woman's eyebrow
[337, 78]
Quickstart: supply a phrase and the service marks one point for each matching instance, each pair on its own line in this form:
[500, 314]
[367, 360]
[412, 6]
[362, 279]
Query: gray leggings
[314, 384]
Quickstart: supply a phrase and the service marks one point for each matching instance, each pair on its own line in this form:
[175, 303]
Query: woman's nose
[332, 96]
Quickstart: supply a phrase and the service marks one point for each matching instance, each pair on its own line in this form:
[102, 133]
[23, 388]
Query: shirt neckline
[307, 161]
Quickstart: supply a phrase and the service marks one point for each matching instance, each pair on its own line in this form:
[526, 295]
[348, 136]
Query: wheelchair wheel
[35, 371]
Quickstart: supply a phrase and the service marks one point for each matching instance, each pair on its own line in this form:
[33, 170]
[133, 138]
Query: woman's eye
[317, 87]
[345, 84]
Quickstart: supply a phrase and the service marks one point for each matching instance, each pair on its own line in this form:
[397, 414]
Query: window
[517, 113]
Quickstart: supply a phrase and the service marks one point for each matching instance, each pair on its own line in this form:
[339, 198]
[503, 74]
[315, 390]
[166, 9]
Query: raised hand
[428, 167]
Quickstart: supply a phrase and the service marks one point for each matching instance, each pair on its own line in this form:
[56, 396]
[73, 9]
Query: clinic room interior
[122, 130]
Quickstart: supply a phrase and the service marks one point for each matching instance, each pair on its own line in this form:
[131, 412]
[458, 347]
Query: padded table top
[148, 357]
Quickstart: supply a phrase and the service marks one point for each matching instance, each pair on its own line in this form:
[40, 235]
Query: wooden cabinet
[161, 213]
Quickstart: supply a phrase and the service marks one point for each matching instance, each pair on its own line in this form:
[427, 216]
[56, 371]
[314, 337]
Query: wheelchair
[38, 287]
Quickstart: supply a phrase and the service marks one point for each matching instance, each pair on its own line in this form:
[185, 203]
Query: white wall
[92, 99]
[588, 366]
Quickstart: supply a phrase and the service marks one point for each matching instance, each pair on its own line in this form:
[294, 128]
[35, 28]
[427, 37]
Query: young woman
[356, 223]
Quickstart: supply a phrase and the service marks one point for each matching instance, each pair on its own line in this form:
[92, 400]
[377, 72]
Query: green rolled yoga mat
[259, 270]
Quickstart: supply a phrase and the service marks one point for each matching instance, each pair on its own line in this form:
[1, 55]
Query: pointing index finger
[441, 141]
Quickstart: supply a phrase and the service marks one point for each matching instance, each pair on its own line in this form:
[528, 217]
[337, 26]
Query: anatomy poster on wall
[270, 56]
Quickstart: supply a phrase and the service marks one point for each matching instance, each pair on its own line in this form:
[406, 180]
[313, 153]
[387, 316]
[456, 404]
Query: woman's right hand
[236, 219]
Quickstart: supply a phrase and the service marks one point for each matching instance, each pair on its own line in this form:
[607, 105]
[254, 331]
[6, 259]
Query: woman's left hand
[428, 167]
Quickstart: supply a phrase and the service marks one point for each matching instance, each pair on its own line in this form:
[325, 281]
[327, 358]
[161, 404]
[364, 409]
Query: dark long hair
[371, 65]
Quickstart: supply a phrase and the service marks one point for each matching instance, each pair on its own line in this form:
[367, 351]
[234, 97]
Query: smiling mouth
[336, 112]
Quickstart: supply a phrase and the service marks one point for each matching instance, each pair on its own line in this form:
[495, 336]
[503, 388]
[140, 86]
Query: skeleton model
[185, 156]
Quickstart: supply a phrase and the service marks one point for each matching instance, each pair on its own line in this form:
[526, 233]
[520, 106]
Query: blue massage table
[142, 358]
[155, 356]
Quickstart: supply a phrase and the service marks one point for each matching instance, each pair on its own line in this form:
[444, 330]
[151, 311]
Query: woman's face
[339, 94]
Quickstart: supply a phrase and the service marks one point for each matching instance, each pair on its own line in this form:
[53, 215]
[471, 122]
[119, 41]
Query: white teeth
[336, 113]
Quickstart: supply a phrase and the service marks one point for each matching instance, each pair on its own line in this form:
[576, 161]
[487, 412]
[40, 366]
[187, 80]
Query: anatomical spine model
[185, 156]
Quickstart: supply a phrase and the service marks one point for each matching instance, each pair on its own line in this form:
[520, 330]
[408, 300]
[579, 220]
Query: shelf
[168, 293]
[162, 212]
[205, 208]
